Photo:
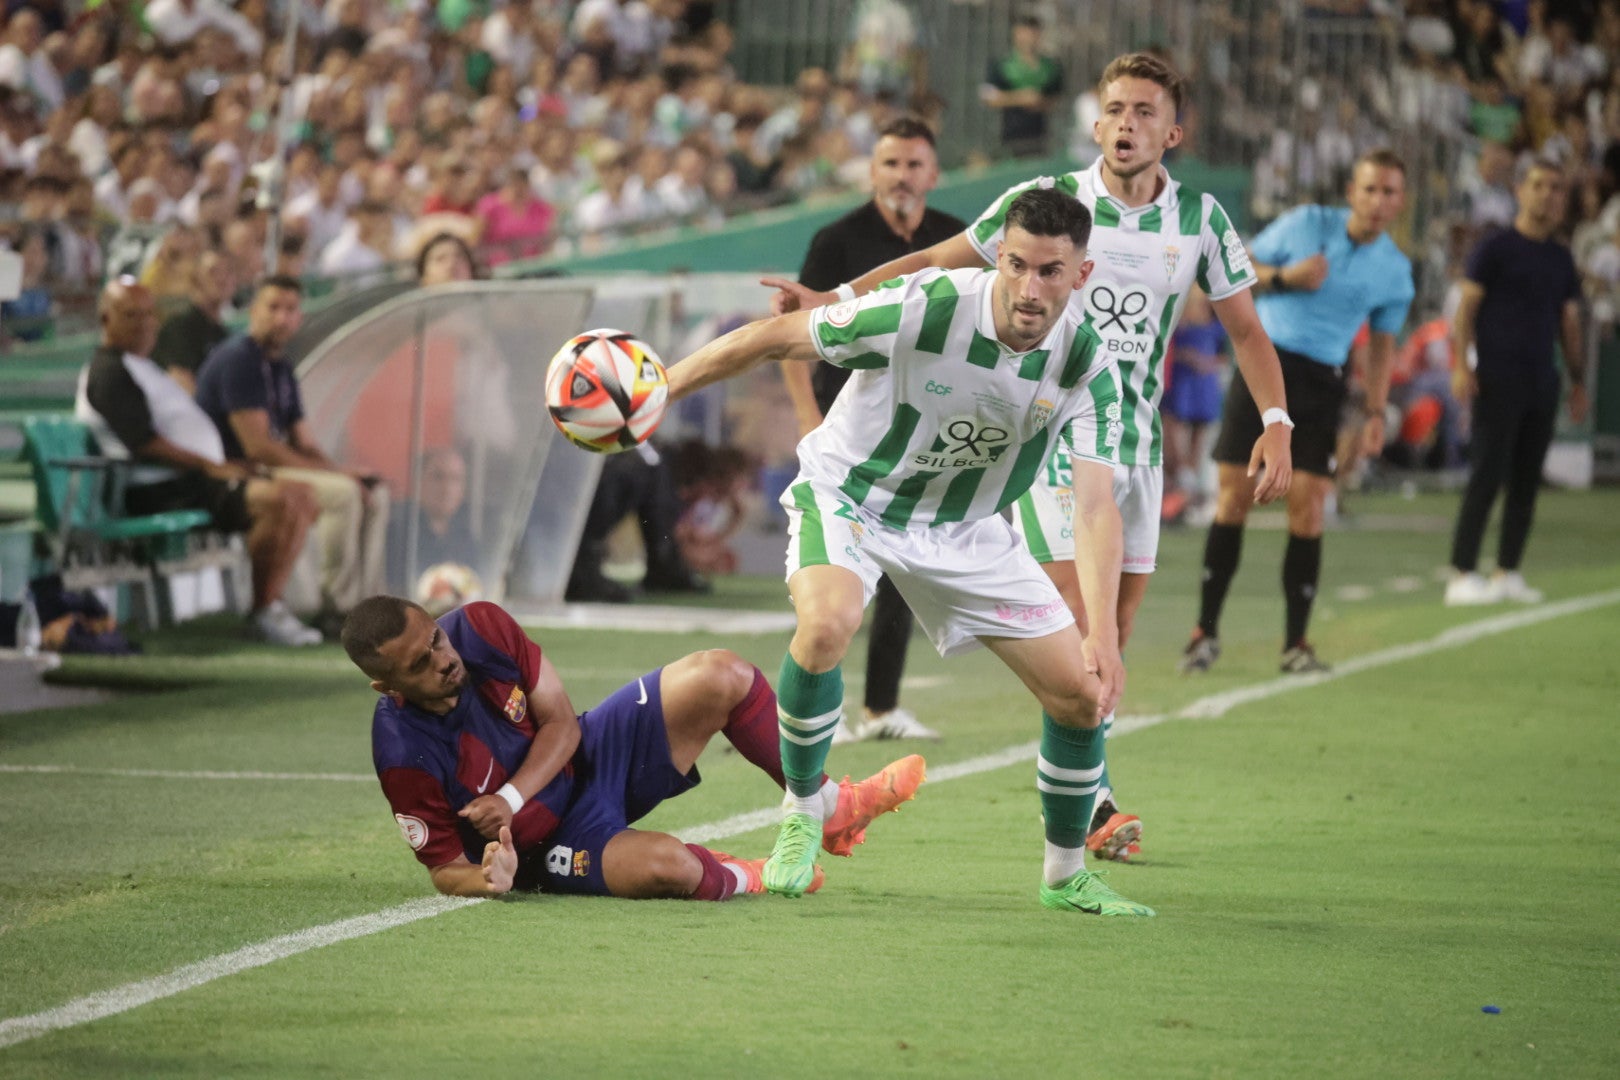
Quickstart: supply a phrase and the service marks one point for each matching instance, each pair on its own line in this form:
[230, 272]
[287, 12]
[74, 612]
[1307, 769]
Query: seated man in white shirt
[137, 411]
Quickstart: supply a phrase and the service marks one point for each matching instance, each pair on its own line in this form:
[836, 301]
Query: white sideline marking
[132, 995]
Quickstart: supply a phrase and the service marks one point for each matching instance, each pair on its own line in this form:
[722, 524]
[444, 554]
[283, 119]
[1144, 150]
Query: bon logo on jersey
[1124, 316]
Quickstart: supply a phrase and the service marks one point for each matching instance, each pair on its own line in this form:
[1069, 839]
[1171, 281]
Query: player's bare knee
[822, 638]
[725, 676]
[1070, 706]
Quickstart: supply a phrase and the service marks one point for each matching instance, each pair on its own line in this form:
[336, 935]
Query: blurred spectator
[711, 483]
[1192, 402]
[186, 338]
[365, 245]
[138, 237]
[1429, 434]
[557, 175]
[884, 56]
[1024, 85]
[322, 209]
[24, 63]
[168, 273]
[515, 224]
[681, 193]
[436, 522]
[1487, 192]
[611, 206]
[175, 22]
[28, 317]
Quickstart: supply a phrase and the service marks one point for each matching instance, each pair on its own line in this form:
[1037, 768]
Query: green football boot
[792, 866]
[1087, 892]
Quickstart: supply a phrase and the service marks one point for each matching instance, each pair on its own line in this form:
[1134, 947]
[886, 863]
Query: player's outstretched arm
[491, 878]
[781, 337]
[1262, 371]
[1098, 558]
[953, 254]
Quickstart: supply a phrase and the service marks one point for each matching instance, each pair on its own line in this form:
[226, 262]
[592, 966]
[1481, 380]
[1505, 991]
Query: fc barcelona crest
[517, 705]
[582, 864]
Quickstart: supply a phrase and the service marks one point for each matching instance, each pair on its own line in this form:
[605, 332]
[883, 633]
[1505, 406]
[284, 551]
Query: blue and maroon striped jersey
[432, 766]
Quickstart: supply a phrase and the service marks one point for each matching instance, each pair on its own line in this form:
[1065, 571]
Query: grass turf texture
[1345, 873]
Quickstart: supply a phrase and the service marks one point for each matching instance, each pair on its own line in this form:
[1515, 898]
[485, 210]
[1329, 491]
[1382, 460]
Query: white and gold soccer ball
[446, 586]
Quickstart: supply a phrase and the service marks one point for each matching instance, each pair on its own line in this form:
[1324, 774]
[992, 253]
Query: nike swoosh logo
[489, 773]
[642, 700]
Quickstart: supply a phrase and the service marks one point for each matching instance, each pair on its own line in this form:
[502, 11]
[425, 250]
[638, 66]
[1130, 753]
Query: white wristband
[1275, 415]
[513, 798]
[845, 291]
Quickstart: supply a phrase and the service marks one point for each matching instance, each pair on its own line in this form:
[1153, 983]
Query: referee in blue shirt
[1325, 272]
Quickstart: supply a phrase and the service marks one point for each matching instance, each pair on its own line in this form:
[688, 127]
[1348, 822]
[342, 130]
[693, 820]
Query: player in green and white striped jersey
[964, 380]
[1152, 240]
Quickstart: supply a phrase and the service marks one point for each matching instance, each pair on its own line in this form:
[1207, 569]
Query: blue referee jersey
[1365, 283]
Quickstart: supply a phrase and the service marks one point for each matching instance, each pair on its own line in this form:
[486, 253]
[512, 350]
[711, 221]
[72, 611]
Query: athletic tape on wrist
[513, 798]
[845, 291]
[1275, 415]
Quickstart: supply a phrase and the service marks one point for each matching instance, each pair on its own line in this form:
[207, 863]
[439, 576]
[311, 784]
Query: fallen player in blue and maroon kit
[497, 784]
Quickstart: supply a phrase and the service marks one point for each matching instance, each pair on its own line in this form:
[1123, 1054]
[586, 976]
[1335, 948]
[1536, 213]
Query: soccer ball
[446, 586]
[606, 390]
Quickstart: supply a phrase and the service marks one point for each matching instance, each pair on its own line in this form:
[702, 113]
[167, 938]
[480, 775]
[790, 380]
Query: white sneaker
[1511, 585]
[1472, 589]
[279, 626]
[843, 733]
[895, 724]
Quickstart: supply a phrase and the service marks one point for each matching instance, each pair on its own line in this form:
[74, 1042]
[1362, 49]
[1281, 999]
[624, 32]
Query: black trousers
[1513, 429]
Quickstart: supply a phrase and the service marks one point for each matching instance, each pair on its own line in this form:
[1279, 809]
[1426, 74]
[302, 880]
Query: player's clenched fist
[488, 814]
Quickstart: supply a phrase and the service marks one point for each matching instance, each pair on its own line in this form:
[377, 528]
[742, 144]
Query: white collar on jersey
[1165, 200]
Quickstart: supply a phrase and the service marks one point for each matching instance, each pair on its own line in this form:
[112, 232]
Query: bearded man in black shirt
[896, 221]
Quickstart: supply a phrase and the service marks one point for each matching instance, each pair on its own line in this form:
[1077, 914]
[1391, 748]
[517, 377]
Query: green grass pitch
[1345, 872]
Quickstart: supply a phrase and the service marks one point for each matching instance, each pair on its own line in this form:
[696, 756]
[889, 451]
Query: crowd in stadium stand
[130, 137]
[131, 134]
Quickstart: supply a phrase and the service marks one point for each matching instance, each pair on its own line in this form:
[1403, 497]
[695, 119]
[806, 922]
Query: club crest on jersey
[1172, 257]
[582, 863]
[413, 829]
[1041, 412]
[517, 705]
[842, 314]
[1115, 430]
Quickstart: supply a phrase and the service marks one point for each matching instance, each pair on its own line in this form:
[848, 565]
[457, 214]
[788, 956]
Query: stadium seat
[77, 494]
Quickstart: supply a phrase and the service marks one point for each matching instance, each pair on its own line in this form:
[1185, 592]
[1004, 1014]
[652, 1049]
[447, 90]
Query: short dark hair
[373, 623]
[1144, 65]
[1383, 157]
[280, 281]
[907, 127]
[1044, 211]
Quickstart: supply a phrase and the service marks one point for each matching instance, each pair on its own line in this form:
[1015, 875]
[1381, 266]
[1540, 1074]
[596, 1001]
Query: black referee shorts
[225, 500]
[1315, 399]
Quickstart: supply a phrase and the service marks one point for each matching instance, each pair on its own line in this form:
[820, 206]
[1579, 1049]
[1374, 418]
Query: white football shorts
[963, 580]
[1044, 517]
